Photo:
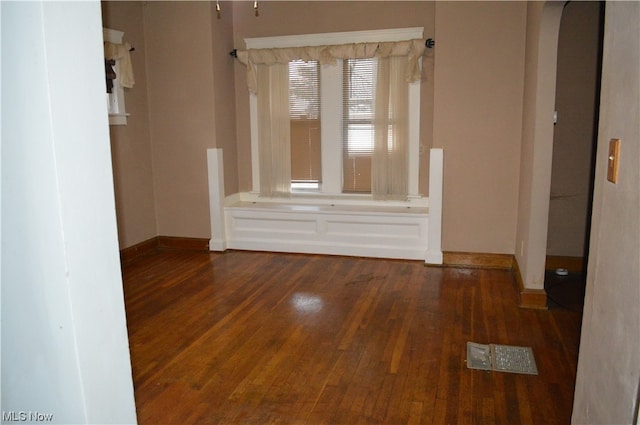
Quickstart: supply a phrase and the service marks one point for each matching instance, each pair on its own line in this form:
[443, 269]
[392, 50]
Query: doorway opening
[575, 135]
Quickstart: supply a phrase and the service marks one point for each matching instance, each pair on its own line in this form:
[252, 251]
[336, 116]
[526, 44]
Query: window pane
[359, 88]
[360, 139]
[304, 113]
[358, 99]
[304, 90]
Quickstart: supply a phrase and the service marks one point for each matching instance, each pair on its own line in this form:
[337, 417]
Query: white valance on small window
[120, 52]
[412, 49]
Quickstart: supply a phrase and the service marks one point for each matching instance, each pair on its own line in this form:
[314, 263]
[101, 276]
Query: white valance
[121, 52]
[412, 49]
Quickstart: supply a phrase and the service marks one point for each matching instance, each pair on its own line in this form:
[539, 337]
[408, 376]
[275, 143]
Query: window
[332, 120]
[304, 114]
[115, 94]
[358, 90]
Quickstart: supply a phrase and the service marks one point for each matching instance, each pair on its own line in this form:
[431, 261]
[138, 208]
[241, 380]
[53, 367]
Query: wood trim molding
[573, 264]
[528, 298]
[190, 244]
[477, 260]
[133, 252]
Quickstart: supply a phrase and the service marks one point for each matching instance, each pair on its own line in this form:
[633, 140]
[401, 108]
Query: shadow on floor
[565, 292]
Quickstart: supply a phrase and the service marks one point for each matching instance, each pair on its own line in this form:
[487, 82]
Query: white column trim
[434, 243]
[218, 241]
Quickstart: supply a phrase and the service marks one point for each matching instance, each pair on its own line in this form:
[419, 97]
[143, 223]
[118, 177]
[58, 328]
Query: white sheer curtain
[390, 162]
[274, 131]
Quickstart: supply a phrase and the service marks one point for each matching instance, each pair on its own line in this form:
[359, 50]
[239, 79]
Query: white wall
[609, 362]
[64, 337]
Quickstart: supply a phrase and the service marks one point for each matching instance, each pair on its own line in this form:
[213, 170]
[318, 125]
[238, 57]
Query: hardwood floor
[258, 338]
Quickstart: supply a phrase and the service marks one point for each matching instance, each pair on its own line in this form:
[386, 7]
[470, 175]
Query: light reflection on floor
[307, 303]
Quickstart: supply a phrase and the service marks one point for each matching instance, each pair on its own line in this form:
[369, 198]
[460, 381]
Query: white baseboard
[434, 257]
[217, 245]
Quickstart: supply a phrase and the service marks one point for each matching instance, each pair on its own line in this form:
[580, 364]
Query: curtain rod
[430, 43]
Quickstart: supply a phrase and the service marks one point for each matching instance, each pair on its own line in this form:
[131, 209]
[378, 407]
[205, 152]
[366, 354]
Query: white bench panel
[327, 230]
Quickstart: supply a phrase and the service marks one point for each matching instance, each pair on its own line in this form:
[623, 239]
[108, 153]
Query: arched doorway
[575, 136]
[543, 27]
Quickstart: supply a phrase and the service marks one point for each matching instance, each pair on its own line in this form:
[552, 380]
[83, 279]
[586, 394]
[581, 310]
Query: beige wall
[308, 17]
[479, 66]
[609, 363]
[182, 104]
[576, 96]
[181, 112]
[224, 90]
[131, 144]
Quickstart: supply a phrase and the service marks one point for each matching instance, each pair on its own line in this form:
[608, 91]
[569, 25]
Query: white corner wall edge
[216, 199]
[65, 349]
[436, 173]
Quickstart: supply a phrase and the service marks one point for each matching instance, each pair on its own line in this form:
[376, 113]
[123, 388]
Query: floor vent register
[501, 358]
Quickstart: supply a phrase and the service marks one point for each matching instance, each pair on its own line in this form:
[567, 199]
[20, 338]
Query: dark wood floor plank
[257, 338]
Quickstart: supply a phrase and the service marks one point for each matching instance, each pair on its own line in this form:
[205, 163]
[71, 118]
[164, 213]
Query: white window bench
[410, 230]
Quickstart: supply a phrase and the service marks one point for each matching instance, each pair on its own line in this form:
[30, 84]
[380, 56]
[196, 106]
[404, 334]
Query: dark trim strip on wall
[127, 255]
[190, 244]
[479, 260]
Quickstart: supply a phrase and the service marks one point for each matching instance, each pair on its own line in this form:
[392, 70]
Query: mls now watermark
[21, 416]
